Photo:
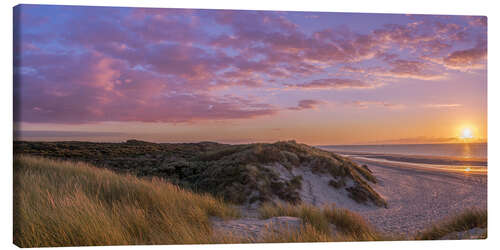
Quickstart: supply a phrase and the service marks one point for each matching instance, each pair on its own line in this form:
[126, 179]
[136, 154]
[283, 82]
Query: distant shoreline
[445, 153]
[434, 160]
[398, 144]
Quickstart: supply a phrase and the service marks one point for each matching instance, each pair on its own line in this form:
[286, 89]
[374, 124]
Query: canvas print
[143, 126]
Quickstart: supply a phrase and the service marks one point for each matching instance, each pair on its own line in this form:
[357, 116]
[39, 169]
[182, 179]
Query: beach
[420, 197]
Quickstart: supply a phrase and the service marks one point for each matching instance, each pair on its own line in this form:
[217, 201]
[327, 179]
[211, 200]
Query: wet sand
[437, 160]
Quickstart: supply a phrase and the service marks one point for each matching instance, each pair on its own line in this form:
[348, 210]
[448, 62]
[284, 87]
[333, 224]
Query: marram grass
[61, 203]
[349, 226]
[469, 219]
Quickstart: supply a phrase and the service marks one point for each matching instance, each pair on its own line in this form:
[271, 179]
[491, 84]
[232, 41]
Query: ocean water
[454, 150]
[470, 157]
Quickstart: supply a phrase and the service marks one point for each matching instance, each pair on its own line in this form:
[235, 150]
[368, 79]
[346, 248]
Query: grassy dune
[238, 173]
[350, 226]
[73, 204]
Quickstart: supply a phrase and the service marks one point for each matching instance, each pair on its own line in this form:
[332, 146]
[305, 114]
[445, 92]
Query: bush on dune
[74, 204]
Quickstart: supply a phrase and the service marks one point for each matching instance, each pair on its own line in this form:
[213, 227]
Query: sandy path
[420, 197]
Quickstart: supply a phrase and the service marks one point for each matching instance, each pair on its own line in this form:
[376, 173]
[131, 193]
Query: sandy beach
[419, 197]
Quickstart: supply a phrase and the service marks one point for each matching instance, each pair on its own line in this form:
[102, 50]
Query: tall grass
[60, 203]
[306, 233]
[469, 219]
[351, 224]
[348, 225]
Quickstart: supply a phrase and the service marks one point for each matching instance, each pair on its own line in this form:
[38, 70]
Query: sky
[234, 76]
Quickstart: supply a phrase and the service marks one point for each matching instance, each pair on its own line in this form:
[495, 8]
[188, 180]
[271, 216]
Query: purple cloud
[466, 59]
[334, 83]
[367, 104]
[307, 104]
[120, 64]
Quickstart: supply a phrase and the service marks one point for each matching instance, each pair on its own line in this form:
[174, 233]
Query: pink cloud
[412, 69]
[474, 58]
[278, 41]
[307, 104]
[142, 66]
[92, 88]
[478, 21]
[443, 105]
[334, 83]
[367, 104]
[399, 68]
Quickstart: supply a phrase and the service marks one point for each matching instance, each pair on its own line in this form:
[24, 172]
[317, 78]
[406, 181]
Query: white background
[457, 7]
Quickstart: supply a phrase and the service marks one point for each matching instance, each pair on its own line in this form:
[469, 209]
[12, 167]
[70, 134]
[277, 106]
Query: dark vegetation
[238, 173]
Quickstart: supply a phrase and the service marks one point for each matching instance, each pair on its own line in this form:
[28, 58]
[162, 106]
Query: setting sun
[466, 133]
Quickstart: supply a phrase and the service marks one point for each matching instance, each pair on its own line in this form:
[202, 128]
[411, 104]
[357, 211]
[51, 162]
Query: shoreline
[411, 166]
[412, 158]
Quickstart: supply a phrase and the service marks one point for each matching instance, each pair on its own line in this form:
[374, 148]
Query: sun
[466, 133]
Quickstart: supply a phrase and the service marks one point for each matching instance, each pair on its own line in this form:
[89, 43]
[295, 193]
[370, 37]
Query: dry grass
[306, 233]
[61, 203]
[349, 226]
[469, 219]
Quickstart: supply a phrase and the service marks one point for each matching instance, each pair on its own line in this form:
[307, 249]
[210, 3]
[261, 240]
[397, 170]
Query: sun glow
[466, 133]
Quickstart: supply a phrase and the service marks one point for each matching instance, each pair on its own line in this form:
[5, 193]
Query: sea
[451, 155]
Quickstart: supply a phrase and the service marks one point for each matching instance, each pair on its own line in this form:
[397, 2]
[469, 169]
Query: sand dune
[417, 197]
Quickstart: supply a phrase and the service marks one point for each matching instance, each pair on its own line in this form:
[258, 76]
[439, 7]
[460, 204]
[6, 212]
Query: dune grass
[351, 224]
[61, 203]
[348, 225]
[469, 219]
[306, 233]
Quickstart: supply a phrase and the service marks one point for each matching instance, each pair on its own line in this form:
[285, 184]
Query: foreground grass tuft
[61, 203]
[469, 219]
[349, 225]
[306, 233]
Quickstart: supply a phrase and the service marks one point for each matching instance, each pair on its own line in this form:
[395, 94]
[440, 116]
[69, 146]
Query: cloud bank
[169, 65]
